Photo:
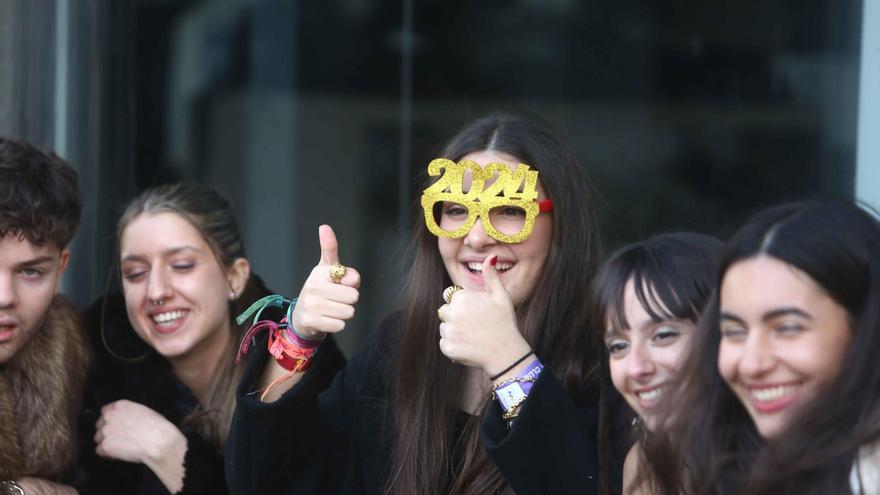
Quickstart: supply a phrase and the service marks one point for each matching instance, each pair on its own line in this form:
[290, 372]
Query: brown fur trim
[42, 385]
[10, 450]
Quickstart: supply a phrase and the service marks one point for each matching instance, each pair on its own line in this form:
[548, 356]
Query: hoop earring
[104, 326]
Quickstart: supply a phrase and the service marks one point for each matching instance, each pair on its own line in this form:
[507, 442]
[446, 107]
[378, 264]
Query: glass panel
[687, 114]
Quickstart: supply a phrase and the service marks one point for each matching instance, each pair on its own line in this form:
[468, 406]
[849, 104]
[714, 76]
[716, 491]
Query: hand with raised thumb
[480, 327]
[324, 305]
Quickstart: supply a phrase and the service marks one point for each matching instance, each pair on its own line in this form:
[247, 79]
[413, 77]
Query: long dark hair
[211, 215]
[553, 319]
[713, 442]
[673, 275]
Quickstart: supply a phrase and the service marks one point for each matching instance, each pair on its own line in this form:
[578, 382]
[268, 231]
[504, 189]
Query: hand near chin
[324, 305]
[480, 327]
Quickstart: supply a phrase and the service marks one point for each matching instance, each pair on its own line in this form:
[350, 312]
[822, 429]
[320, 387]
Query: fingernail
[493, 260]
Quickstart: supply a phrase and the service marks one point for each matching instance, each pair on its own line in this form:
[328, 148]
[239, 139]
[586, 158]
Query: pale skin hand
[128, 431]
[480, 328]
[323, 307]
[39, 486]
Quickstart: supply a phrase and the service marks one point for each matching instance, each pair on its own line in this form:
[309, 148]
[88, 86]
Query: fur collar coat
[40, 396]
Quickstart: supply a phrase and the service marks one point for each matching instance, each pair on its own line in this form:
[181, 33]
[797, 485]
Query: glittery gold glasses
[507, 206]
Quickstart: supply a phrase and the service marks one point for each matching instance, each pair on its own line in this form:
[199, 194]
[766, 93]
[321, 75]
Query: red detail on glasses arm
[545, 206]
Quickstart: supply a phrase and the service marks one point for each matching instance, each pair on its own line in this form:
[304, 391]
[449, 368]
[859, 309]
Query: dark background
[687, 114]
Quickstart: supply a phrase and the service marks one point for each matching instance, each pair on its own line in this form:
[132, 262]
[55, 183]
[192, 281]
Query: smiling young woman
[783, 339]
[649, 296]
[163, 393]
[492, 392]
[781, 386]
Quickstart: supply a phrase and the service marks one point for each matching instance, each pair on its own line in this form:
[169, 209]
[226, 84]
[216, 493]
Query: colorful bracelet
[290, 349]
[294, 337]
[304, 340]
[290, 356]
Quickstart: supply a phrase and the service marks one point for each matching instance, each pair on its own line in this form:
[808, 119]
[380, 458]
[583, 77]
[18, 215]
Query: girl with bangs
[648, 297]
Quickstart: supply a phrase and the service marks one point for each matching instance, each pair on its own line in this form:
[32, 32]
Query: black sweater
[338, 439]
[148, 381]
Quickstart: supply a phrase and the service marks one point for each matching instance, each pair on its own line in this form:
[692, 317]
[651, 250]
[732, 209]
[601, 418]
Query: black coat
[337, 439]
[148, 381]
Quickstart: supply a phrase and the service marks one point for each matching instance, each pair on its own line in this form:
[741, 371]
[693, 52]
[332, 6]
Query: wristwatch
[10, 487]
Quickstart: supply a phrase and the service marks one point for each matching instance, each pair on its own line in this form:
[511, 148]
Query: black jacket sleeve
[203, 468]
[297, 443]
[551, 447]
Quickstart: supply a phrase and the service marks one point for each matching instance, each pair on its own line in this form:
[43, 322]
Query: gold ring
[337, 271]
[449, 292]
[440, 313]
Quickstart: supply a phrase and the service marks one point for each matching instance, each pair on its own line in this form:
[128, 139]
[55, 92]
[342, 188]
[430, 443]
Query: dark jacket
[144, 377]
[339, 439]
[551, 447]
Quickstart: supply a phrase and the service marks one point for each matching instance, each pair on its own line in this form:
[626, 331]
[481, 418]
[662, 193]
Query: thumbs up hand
[324, 305]
[480, 327]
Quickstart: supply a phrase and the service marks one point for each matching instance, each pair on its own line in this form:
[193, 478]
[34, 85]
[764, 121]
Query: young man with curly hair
[43, 354]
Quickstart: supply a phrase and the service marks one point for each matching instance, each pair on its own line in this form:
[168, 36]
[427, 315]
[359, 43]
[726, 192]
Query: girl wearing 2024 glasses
[491, 391]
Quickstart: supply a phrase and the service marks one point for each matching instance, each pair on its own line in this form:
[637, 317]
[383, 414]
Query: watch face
[510, 395]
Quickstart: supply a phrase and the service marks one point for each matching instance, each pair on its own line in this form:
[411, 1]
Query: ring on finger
[337, 271]
[449, 292]
[440, 312]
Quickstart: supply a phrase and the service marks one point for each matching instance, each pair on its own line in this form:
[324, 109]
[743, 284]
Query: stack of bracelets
[292, 350]
[512, 392]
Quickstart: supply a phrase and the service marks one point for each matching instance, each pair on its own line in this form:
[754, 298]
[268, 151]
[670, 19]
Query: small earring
[232, 295]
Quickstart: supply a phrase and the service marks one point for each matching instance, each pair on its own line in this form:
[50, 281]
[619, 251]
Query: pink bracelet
[294, 338]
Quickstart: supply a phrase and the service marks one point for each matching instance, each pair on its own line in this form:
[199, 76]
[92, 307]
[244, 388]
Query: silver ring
[440, 313]
[12, 487]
